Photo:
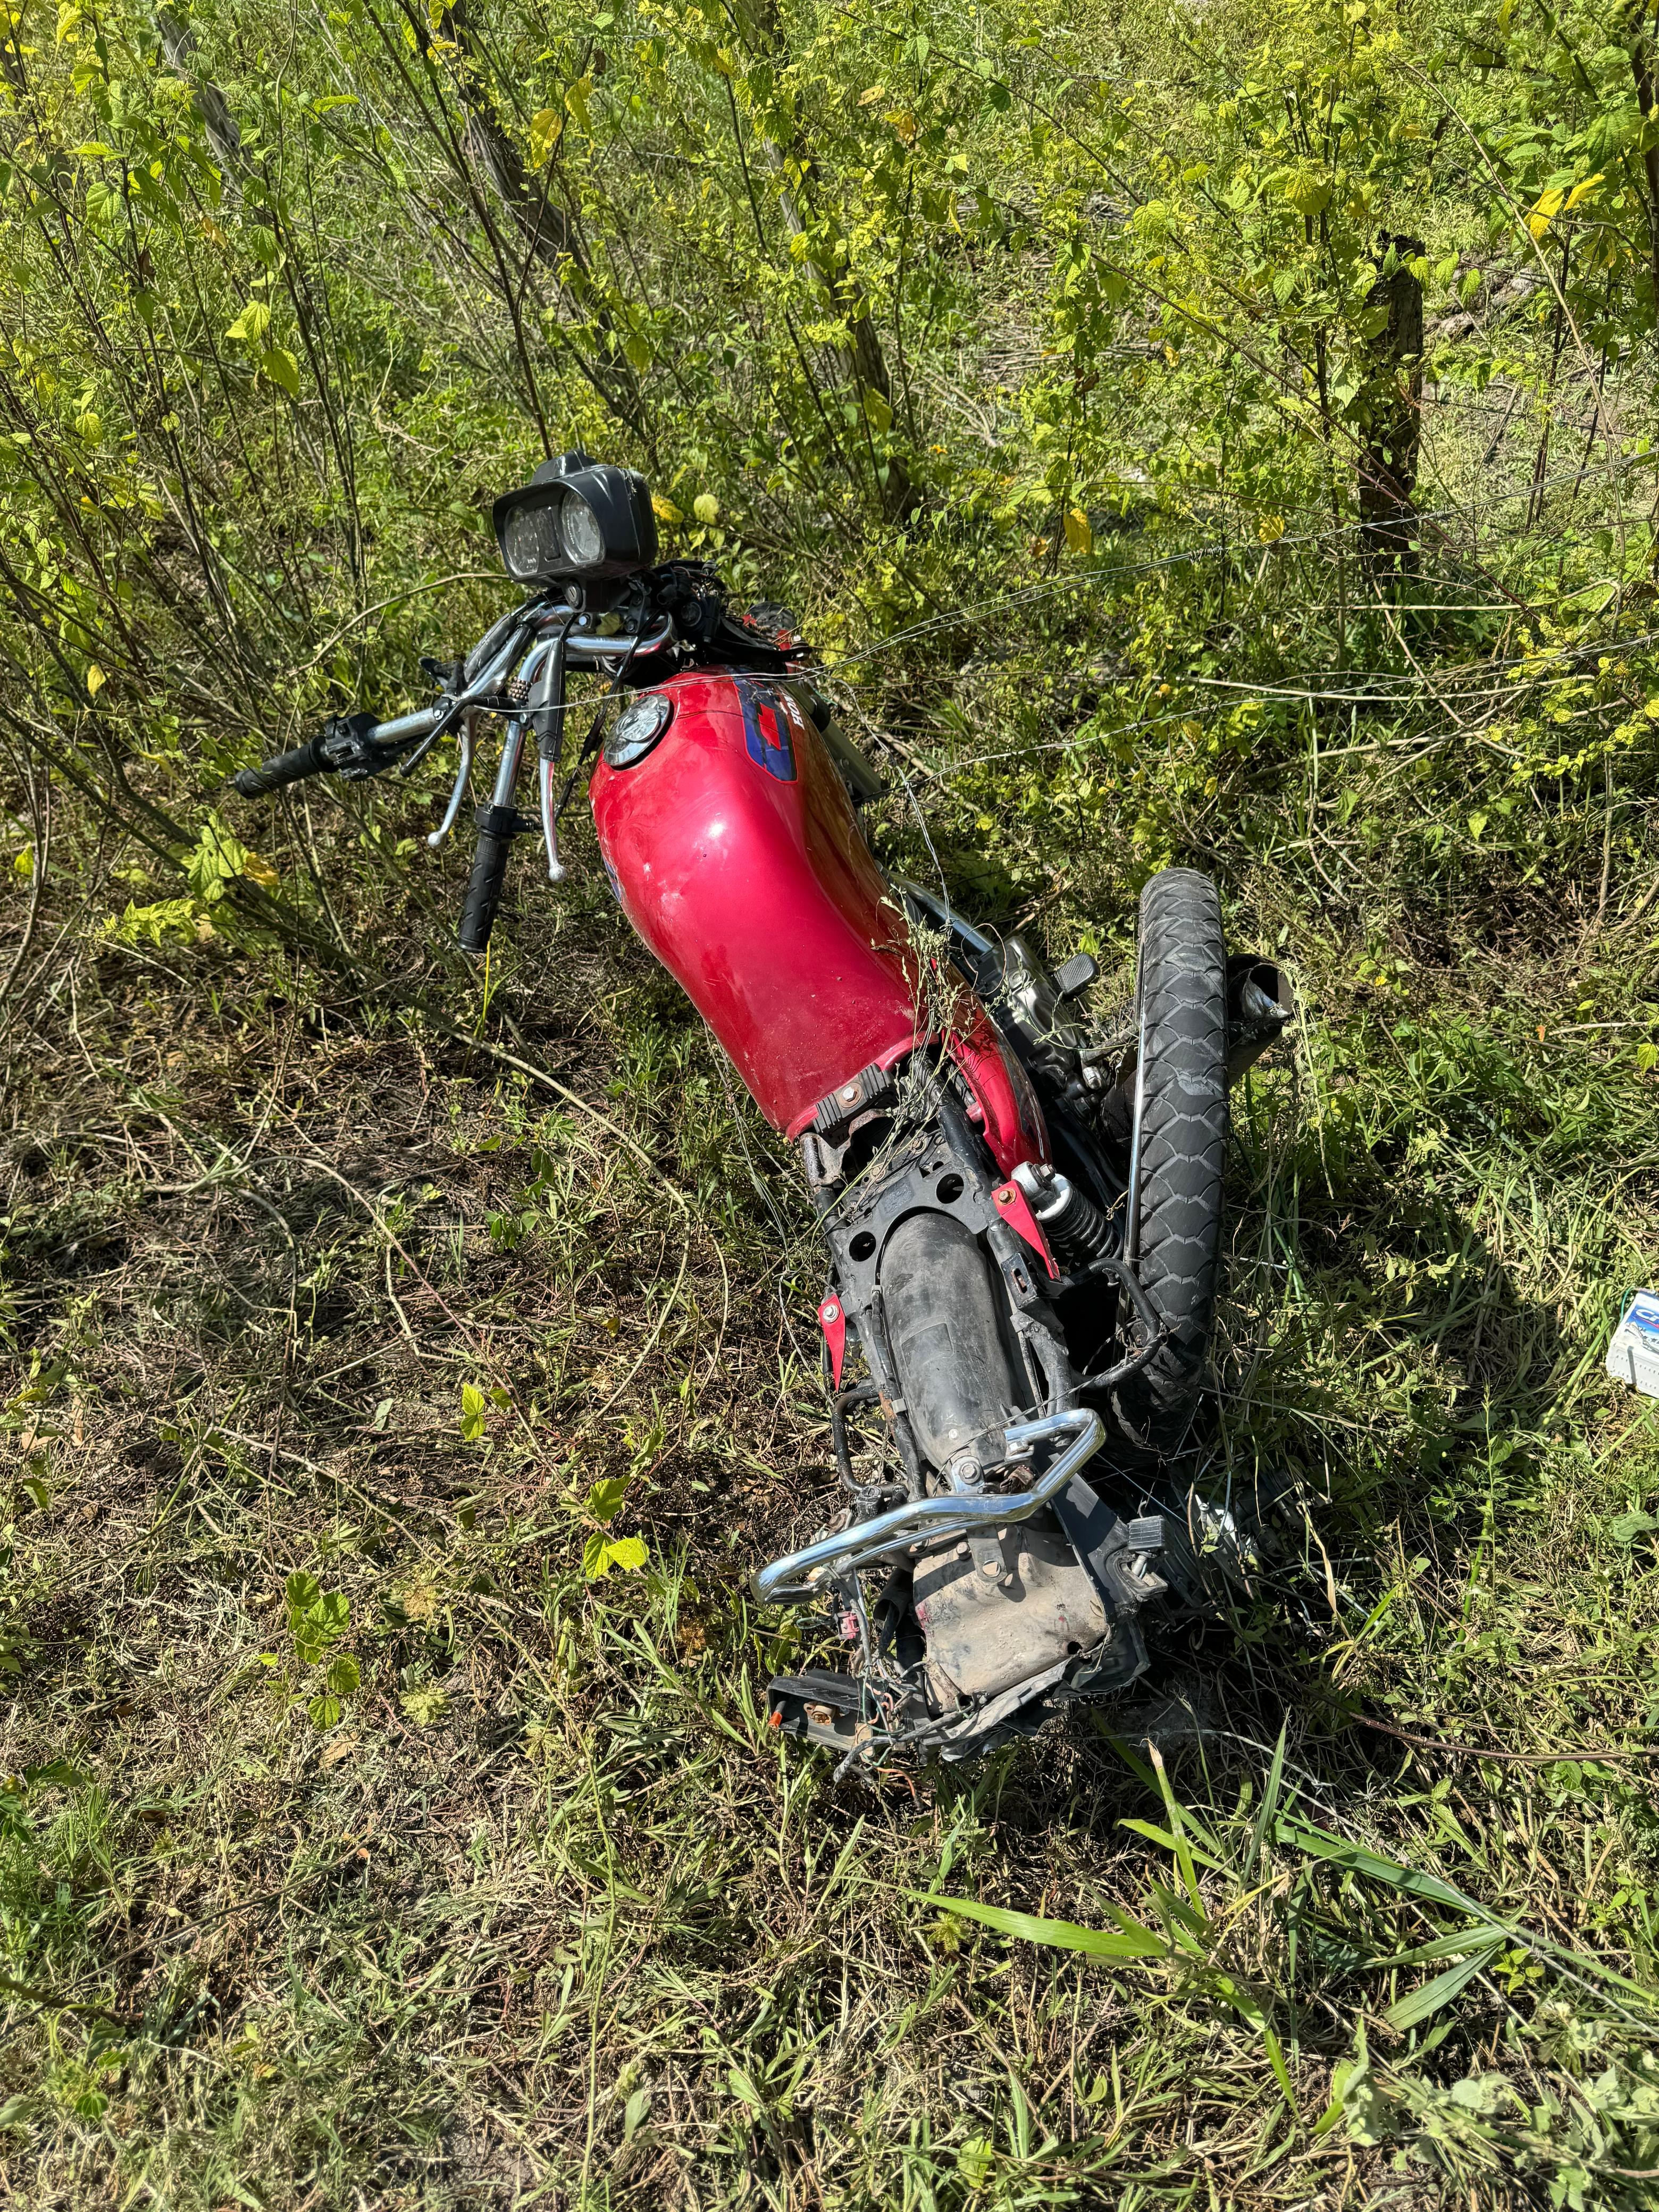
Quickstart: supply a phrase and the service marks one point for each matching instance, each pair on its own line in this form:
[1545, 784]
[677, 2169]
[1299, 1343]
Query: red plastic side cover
[1008, 1114]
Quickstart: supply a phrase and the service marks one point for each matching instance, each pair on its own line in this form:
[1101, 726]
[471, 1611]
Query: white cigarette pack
[1633, 1355]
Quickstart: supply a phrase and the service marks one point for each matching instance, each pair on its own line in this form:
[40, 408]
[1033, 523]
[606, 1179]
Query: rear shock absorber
[1074, 1225]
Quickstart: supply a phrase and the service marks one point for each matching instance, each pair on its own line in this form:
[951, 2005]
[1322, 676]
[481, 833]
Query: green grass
[404, 1366]
[546, 1915]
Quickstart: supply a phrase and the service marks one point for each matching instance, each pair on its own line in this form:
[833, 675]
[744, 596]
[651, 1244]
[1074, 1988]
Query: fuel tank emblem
[776, 753]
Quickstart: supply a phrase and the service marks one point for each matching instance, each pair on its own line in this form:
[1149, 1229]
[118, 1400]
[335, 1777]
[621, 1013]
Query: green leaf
[1136, 1764]
[605, 1498]
[472, 1413]
[1341, 2074]
[1369, 2112]
[544, 128]
[1302, 1836]
[302, 1592]
[153, 922]
[1251, 2011]
[742, 2088]
[975, 2159]
[1455, 1946]
[1411, 2010]
[1165, 1841]
[324, 1712]
[1485, 2093]
[219, 855]
[1307, 190]
[252, 323]
[1629, 1525]
[279, 366]
[601, 1553]
[1269, 1803]
[1134, 1941]
[344, 1677]
[1178, 1842]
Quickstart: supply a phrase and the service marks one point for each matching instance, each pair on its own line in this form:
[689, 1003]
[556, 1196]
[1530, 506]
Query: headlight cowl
[577, 519]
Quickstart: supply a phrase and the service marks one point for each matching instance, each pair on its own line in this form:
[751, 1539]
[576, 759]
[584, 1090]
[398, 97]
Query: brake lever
[546, 718]
[557, 870]
[457, 703]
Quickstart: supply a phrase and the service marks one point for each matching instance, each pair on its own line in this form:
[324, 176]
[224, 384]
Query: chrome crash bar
[827, 1559]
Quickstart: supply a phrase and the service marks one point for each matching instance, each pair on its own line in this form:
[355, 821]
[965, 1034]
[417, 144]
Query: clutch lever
[463, 777]
[457, 700]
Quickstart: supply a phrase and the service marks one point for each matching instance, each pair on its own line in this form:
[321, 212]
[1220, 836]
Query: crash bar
[804, 1573]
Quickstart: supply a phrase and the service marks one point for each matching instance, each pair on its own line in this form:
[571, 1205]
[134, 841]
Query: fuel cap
[636, 729]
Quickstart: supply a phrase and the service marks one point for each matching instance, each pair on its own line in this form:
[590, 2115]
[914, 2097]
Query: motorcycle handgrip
[284, 768]
[496, 828]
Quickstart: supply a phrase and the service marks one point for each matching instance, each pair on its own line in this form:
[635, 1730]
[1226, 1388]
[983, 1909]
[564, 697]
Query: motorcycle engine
[991, 1622]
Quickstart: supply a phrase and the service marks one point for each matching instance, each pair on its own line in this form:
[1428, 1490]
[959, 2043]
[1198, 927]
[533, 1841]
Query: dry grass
[545, 1915]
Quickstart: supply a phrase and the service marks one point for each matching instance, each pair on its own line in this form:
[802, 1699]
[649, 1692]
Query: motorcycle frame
[946, 1082]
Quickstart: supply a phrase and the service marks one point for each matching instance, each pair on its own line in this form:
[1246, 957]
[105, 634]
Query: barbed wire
[944, 768]
[1083, 580]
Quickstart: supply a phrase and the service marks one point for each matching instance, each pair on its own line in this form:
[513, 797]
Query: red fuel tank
[734, 850]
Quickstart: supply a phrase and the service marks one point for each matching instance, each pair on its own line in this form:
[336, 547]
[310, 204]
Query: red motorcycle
[1022, 1212]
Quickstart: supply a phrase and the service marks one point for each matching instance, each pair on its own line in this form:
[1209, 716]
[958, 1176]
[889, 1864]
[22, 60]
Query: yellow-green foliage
[407, 1362]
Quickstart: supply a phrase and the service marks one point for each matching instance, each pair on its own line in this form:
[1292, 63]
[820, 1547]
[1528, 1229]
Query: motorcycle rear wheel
[1181, 991]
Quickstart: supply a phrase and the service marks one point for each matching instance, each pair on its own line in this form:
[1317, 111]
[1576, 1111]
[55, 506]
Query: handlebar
[544, 638]
[499, 823]
[282, 768]
[483, 885]
[351, 745]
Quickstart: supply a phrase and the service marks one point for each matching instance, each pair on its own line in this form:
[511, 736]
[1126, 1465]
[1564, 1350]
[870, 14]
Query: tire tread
[1181, 974]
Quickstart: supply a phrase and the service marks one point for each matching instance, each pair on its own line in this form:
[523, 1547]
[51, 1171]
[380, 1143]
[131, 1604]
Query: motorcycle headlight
[582, 531]
[529, 542]
[576, 518]
[636, 729]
